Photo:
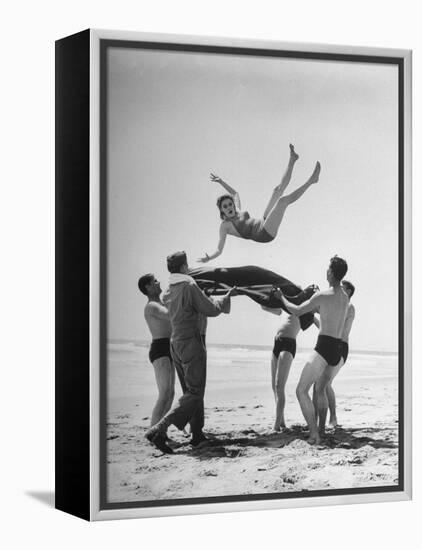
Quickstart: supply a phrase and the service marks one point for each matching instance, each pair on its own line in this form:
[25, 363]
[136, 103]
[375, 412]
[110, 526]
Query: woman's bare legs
[280, 373]
[275, 217]
[285, 180]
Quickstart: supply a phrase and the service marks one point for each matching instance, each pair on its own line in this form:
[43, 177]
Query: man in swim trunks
[332, 305]
[157, 318]
[187, 305]
[330, 374]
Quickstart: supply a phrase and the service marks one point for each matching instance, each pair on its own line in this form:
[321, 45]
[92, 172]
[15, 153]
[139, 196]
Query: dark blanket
[255, 282]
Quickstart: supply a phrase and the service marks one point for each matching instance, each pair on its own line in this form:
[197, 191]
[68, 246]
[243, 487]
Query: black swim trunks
[344, 351]
[284, 344]
[330, 349]
[159, 348]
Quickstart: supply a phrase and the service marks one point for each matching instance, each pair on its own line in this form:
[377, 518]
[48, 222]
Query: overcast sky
[176, 117]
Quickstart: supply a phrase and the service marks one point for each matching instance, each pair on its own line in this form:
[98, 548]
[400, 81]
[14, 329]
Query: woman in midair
[239, 223]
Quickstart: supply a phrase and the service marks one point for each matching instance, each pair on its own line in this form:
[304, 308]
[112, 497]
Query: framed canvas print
[233, 280]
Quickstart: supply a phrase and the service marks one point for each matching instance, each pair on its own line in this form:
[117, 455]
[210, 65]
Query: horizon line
[263, 346]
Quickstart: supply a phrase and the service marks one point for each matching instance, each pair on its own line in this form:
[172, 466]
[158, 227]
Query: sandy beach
[244, 455]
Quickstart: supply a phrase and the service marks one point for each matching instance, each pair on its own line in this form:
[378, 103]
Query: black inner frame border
[105, 44]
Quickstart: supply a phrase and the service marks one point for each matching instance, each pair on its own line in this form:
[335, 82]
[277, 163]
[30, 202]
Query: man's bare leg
[331, 396]
[315, 401]
[273, 375]
[322, 394]
[310, 374]
[164, 376]
[284, 363]
[285, 180]
[275, 216]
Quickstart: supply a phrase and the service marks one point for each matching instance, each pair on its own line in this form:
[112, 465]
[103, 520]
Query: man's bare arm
[308, 306]
[350, 317]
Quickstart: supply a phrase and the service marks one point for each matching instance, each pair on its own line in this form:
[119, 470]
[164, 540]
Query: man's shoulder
[151, 307]
[324, 293]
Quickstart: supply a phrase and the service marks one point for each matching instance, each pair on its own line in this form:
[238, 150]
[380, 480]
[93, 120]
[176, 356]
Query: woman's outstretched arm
[220, 246]
[227, 188]
[225, 185]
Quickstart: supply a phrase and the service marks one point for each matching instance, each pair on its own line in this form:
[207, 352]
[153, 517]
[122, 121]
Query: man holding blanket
[187, 305]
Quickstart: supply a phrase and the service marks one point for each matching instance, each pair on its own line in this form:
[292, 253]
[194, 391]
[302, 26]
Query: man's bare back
[332, 305]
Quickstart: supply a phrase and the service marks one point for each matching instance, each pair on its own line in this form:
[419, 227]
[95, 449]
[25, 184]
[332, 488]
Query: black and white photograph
[211, 275]
[252, 274]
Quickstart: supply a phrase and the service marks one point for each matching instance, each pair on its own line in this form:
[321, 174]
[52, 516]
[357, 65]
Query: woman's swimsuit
[344, 351]
[330, 349]
[159, 348]
[251, 228]
[284, 343]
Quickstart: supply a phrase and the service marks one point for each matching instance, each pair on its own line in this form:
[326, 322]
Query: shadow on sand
[233, 445]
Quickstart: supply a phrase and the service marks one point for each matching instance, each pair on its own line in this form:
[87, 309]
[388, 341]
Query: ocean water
[241, 376]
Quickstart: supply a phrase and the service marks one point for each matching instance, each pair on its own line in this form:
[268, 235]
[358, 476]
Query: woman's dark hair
[338, 267]
[144, 281]
[349, 286]
[220, 200]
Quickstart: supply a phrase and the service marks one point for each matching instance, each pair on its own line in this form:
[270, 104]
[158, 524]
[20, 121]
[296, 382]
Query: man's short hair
[338, 267]
[144, 281]
[349, 286]
[176, 260]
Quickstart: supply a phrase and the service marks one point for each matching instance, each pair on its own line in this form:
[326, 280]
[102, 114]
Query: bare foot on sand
[279, 426]
[315, 174]
[333, 423]
[293, 155]
[314, 439]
